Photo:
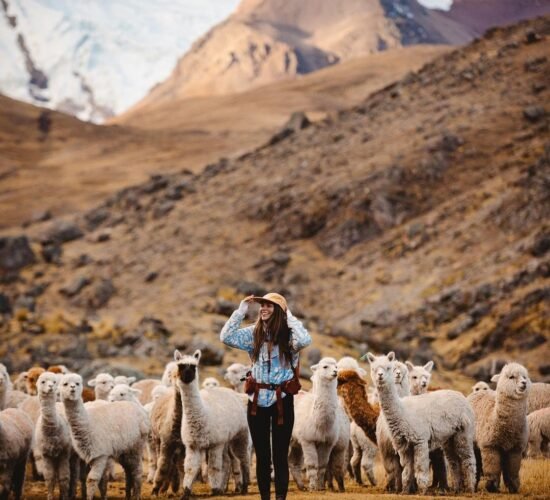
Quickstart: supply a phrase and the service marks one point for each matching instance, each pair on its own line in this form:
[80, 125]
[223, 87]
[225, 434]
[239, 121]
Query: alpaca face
[187, 366]
[210, 383]
[123, 392]
[420, 377]
[236, 374]
[481, 386]
[514, 381]
[103, 383]
[47, 384]
[400, 372]
[71, 387]
[382, 369]
[326, 369]
[158, 391]
[32, 378]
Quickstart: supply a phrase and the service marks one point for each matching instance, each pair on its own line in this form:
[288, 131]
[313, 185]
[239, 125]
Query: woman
[272, 344]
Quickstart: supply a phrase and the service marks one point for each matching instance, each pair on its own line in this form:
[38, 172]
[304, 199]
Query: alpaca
[501, 427]
[168, 451]
[52, 447]
[320, 422]
[481, 386]
[32, 378]
[364, 453]
[210, 382]
[20, 382]
[235, 374]
[102, 384]
[353, 391]
[206, 428]
[123, 392]
[16, 434]
[539, 433]
[122, 379]
[419, 377]
[418, 424]
[115, 430]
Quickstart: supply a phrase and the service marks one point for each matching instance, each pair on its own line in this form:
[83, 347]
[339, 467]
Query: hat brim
[262, 299]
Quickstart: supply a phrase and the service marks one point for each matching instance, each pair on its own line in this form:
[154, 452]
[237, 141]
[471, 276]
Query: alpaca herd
[427, 439]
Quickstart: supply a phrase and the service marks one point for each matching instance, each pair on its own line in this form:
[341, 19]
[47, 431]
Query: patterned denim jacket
[243, 338]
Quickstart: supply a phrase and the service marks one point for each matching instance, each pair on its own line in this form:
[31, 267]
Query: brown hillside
[417, 221]
[75, 165]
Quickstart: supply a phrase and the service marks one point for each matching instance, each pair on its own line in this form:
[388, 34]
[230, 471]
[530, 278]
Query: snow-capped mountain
[95, 58]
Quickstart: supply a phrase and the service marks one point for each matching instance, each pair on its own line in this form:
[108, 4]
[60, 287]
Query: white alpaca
[321, 430]
[419, 377]
[146, 386]
[419, 424]
[235, 374]
[20, 382]
[389, 455]
[501, 427]
[206, 428]
[539, 397]
[349, 363]
[116, 430]
[102, 384]
[210, 383]
[16, 434]
[52, 447]
[539, 433]
[123, 392]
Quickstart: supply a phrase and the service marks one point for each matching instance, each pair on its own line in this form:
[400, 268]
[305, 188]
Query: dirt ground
[535, 484]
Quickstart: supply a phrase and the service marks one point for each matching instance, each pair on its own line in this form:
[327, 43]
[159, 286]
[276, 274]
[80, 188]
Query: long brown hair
[280, 334]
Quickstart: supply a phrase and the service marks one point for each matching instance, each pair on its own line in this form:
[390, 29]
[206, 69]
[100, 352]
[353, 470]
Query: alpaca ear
[494, 378]
[197, 354]
[391, 356]
[370, 357]
[409, 365]
[137, 392]
[131, 380]
[428, 366]
[92, 382]
[177, 355]
[314, 367]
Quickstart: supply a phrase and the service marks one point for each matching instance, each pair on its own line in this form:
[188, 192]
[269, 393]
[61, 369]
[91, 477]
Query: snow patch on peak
[436, 4]
[99, 56]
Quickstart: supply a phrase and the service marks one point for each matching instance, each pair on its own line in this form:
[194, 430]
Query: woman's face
[266, 310]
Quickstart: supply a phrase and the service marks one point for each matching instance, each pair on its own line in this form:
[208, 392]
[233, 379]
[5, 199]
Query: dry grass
[535, 484]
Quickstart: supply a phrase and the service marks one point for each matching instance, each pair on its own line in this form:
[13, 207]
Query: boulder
[15, 253]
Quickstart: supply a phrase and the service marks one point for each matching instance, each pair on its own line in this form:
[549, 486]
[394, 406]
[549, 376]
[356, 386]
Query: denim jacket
[243, 338]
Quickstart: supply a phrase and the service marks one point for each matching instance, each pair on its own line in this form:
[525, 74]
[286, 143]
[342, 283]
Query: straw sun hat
[274, 298]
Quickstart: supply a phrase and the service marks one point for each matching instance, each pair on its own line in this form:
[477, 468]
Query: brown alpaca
[32, 378]
[353, 390]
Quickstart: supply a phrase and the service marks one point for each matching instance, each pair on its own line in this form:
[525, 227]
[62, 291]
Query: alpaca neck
[192, 405]
[325, 398]
[50, 418]
[391, 404]
[79, 422]
[510, 410]
[359, 408]
[404, 388]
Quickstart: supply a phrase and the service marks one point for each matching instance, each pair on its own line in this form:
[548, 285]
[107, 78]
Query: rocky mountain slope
[57, 164]
[270, 40]
[415, 221]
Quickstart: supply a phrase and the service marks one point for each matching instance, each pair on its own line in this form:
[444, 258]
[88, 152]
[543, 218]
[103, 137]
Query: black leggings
[261, 426]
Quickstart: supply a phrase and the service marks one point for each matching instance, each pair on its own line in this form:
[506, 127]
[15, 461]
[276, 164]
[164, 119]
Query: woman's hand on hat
[243, 306]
